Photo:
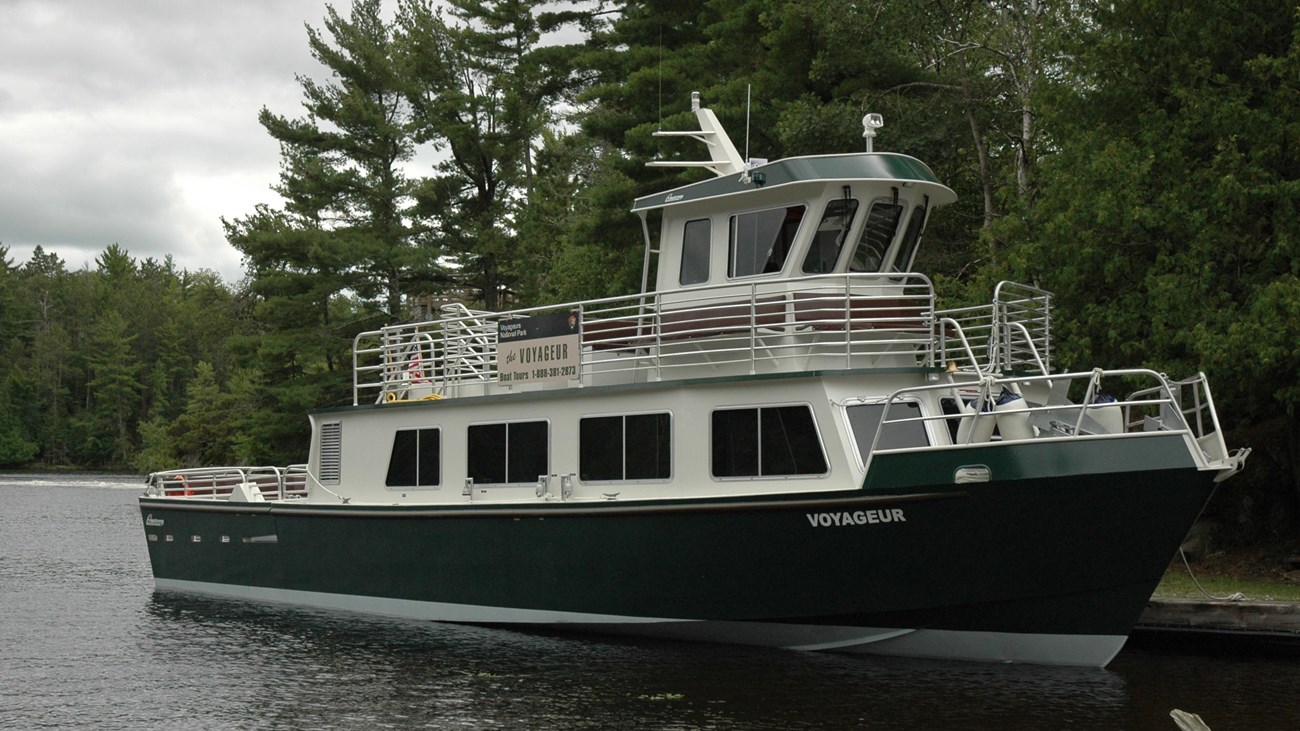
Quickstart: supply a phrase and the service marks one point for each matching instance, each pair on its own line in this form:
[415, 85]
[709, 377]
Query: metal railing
[217, 483]
[1040, 407]
[1013, 333]
[824, 321]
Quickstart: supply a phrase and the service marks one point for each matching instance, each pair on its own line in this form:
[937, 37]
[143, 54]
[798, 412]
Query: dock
[1246, 625]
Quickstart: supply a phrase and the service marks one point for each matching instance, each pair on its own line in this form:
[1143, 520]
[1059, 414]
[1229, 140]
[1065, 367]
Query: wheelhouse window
[911, 237]
[877, 233]
[769, 441]
[830, 236]
[761, 240]
[696, 236]
[416, 459]
[631, 447]
[865, 421]
[513, 453]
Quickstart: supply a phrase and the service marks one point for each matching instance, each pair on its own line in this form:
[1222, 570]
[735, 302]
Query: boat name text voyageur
[858, 517]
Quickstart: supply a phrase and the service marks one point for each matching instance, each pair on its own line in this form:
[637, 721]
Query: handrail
[768, 323]
[1029, 341]
[217, 483]
[1160, 396]
[1016, 309]
[961, 334]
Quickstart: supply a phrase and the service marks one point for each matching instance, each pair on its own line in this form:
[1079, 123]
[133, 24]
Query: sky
[135, 122]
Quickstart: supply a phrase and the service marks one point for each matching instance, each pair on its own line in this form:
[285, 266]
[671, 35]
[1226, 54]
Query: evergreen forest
[1140, 158]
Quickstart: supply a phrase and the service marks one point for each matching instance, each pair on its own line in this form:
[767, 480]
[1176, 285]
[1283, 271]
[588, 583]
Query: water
[86, 642]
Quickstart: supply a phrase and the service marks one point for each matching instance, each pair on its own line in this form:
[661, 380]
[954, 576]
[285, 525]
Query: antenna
[660, 69]
[749, 88]
[723, 157]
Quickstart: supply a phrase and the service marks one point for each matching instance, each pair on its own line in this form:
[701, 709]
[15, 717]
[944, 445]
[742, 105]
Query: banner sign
[538, 348]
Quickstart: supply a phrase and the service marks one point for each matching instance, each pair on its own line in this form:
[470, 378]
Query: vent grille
[331, 452]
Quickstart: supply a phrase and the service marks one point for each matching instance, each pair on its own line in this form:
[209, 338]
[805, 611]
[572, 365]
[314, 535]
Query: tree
[108, 428]
[16, 445]
[346, 230]
[342, 175]
[480, 91]
[1166, 220]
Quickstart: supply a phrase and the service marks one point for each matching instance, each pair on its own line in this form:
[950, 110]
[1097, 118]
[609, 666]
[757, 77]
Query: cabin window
[696, 237]
[770, 441]
[633, 447]
[877, 233]
[831, 234]
[513, 453]
[865, 421]
[911, 237]
[416, 459]
[761, 240]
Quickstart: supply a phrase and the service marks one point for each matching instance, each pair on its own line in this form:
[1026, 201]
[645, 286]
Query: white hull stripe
[1043, 649]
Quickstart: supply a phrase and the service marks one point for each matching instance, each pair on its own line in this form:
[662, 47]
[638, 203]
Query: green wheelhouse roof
[862, 166]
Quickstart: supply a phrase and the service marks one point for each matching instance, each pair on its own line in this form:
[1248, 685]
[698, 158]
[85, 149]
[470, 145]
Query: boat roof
[885, 167]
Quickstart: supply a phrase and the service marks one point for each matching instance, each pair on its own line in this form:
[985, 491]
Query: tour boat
[780, 441]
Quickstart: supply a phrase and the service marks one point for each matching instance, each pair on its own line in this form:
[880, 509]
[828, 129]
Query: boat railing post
[659, 338]
[753, 326]
[1094, 385]
[848, 321]
[934, 323]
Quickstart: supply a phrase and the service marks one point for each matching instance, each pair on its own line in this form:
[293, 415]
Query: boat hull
[1051, 561]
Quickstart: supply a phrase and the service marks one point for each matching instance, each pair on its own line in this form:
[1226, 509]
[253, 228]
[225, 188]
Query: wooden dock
[1246, 624]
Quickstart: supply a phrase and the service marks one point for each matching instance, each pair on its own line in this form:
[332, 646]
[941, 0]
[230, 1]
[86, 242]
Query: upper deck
[816, 323]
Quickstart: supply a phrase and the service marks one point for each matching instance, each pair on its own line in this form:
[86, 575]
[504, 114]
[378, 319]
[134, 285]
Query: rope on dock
[1234, 597]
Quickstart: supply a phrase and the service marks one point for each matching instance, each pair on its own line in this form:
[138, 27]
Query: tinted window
[831, 234]
[600, 448]
[527, 451]
[695, 252]
[508, 453]
[416, 459]
[735, 443]
[911, 237]
[636, 447]
[487, 454]
[768, 441]
[760, 241]
[789, 442]
[865, 420]
[877, 234]
[648, 447]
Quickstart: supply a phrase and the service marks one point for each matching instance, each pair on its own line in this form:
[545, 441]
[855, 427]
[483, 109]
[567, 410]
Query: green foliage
[96, 354]
[480, 90]
[1166, 220]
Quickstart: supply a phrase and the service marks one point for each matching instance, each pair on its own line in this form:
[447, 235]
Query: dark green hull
[1067, 540]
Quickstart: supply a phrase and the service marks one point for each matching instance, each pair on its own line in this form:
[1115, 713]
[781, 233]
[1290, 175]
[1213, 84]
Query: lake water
[85, 642]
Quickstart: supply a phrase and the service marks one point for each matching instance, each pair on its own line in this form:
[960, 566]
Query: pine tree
[480, 93]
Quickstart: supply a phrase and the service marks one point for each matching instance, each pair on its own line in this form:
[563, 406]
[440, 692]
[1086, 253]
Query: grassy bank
[1177, 585]
[1261, 573]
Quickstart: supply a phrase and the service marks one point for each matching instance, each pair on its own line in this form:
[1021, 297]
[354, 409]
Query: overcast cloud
[135, 122]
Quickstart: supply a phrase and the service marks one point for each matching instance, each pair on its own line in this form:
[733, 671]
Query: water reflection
[325, 669]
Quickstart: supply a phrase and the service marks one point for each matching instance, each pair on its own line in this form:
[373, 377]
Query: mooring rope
[1234, 597]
